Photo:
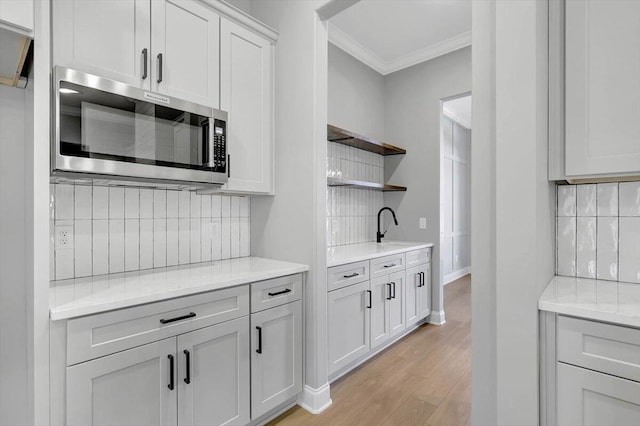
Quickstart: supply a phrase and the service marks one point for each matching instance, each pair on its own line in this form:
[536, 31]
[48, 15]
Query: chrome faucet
[380, 235]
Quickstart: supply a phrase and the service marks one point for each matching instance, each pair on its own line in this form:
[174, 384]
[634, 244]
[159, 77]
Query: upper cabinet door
[132, 387]
[17, 13]
[185, 40]
[602, 86]
[103, 37]
[246, 62]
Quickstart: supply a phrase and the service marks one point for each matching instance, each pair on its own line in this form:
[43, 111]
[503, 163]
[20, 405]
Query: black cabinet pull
[394, 290]
[419, 279]
[370, 299]
[167, 321]
[277, 293]
[389, 296]
[389, 266]
[145, 52]
[228, 165]
[170, 386]
[187, 360]
[422, 279]
[159, 68]
[355, 274]
[259, 350]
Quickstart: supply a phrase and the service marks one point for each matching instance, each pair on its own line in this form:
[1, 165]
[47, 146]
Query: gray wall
[13, 285]
[356, 95]
[244, 5]
[412, 111]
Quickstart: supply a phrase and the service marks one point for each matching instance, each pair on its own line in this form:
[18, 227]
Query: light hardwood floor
[424, 379]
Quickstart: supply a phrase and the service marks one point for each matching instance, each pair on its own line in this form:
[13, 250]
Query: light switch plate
[423, 223]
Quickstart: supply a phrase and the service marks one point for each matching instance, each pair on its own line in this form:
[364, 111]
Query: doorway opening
[455, 188]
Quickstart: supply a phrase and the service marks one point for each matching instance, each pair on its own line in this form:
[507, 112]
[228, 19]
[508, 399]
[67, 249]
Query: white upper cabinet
[602, 88]
[104, 37]
[17, 14]
[246, 93]
[185, 42]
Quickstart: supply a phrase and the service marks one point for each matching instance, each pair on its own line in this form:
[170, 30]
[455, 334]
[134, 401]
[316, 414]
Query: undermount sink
[391, 244]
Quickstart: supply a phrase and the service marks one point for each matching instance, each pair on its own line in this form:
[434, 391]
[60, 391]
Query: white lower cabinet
[133, 387]
[197, 378]
[365, 316]
[417, 293]
[586, 397]
[348, 316]
[216, 360]
[387, 316]
[213, 375]
[276, 357]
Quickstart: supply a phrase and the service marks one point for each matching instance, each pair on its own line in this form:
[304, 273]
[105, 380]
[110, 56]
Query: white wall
[13, 284]
[455, 200]
[512, 205]
[412, 111]
[292, 224]
[356, 95]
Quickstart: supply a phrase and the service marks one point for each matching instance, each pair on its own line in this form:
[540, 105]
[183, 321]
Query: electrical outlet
[64, 237]
[423, 223]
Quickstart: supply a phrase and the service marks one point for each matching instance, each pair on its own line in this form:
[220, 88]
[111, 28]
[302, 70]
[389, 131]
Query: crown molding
[345, 42]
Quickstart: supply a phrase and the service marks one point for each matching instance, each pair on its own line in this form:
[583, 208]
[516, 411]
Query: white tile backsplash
[607, 199]
[566, 200]
[127, 229]
[607, 258]
[629, 267]
[586, 247]
[629, 194]
[566, 250]
[351, 212]
[607, 231]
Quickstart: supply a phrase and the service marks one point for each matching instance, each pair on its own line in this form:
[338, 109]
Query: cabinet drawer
[387, 265]
[346, 275]
[102, 334]
[275, 292]
[418, 257]
[598, 346]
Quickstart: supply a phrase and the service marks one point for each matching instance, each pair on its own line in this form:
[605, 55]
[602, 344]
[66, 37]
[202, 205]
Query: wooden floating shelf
[364, 185]
[345, 137]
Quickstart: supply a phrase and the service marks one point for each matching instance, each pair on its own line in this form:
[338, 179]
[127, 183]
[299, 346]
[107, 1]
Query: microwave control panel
[220, 146]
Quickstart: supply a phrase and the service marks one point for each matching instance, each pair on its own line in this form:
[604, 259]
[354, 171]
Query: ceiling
[459, 110]
[389, 35]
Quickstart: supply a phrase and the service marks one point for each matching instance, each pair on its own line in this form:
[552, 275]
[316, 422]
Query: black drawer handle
[394, 290]
[389, 266]
[167, 321]
[389, 297]
[355, 274]
[170, 385]
[259, 350]
[187, 359]
[277, 293]
[370, 299]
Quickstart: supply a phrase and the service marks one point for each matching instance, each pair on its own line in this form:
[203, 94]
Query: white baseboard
[315, 401]
[455, 275]
[437, 318]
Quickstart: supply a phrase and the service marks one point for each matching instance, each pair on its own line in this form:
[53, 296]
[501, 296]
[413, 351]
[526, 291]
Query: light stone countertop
[341, 255]
[91, 295]
[610, 301]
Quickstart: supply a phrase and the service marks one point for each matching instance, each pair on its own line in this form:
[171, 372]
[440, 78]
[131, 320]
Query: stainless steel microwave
[104, 129]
